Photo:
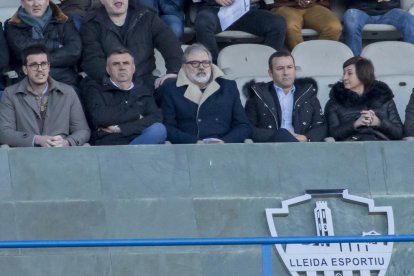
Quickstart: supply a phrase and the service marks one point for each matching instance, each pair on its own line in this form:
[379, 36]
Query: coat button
[298, 105]
[304, 123]
[270, 126]
[217, 119]
[199, 120]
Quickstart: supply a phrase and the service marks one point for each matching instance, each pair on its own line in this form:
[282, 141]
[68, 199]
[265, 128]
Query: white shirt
[130, 87]
[286, 105]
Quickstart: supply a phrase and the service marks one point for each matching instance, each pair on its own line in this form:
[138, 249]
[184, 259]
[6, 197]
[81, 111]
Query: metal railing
[265, 242]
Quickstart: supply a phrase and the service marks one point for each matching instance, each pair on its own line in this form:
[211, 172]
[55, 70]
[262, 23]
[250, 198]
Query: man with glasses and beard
[39, 111]
[200, 106]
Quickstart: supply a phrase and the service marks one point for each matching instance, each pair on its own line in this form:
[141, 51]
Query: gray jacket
[20, 115]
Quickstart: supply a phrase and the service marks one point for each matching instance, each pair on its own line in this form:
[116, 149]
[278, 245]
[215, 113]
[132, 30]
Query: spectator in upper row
[170, 11]
[314, 14]
[41, 21]
[77, 9]
[286, 109]
[122, 112]
[200, 106]
[256, 21]
[138, 29]
[362, 12]
[361, 108]
[4, 58]
[40, 111]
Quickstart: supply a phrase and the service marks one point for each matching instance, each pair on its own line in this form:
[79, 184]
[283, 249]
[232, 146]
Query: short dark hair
[364, 69]
[282, 53]
[120, 51]
[35, 49]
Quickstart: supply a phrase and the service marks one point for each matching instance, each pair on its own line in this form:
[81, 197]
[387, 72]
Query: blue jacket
[218, 115]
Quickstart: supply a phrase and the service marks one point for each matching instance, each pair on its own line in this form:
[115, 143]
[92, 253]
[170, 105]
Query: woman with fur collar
[362, 108]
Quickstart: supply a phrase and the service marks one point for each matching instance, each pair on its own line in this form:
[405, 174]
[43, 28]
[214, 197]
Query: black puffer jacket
[107, 105]
[4, 56]
[264, 112]
[60, 37]
[344, 108]
[144, 32]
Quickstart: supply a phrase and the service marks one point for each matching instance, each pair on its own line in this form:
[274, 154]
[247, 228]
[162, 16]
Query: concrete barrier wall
[174, 191]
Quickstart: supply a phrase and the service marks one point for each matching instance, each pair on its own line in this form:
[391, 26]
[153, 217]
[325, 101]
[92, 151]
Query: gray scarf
[37, 23]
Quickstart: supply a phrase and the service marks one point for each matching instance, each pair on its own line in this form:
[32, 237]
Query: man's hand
[58, 141]
[111, 129]
[225, 3]
[300, 138]
[159, 81]
[42, 140]
[305, 3]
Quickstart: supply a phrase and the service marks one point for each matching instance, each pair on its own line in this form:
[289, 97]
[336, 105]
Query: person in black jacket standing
[138, 29]
[286, 109]
[361, 108]
[43, 22]
[119, 111]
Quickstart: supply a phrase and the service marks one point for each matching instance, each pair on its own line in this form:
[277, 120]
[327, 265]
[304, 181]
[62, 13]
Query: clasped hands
[367, 118]
[51, 141]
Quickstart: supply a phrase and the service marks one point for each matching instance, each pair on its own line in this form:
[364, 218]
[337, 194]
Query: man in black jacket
[43, 22]
[119, 111]
[138, 29]
[4, 57]
[285, 110]
[362, 12]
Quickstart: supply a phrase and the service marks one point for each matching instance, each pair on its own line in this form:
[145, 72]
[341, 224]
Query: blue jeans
[175, 24]
[154, 134]
[355, 20]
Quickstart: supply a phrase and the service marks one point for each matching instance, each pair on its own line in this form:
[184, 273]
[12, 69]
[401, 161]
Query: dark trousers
[258, 22]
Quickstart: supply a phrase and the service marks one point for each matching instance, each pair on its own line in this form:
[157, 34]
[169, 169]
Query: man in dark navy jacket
[200, 106]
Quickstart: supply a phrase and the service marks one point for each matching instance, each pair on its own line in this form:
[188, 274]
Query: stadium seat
[7, 9]
[243, 80]
[322, 60]
[392, 63]
[245, 60]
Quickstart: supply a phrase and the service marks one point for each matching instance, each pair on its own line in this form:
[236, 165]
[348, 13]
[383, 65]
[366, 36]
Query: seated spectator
[121, 112]
[285, 109]
[40, 111]
[409, 118]
[362, 12]
[314, 14]
[4, 58]
[138, 29]
[256, 21]
[170, 11]
[43, 22]
[77, 9]
[200, 106]
[361, 108]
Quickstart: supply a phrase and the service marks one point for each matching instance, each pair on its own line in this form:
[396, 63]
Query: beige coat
[20, 115]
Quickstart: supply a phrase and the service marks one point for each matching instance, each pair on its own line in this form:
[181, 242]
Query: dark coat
[144, 32]
[265, 115]
[344, 107]
[60, 38]
[409, 117]
[107, 105]
[373, 7]
[4, 56]
[220, 116]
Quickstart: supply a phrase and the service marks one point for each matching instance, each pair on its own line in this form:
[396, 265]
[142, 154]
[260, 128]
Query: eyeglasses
[196, 63]
[36, 66]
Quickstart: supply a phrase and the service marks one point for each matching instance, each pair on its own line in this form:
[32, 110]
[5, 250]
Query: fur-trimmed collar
[193, 92]
[58, 15]
[375, 95]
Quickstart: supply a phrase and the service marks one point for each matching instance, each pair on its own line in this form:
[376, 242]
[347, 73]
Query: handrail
[266, 243]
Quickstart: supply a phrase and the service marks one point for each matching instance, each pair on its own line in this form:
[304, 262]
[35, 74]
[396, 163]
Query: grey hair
[196, 47]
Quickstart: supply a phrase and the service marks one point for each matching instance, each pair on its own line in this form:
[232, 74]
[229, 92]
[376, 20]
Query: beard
[201, 77]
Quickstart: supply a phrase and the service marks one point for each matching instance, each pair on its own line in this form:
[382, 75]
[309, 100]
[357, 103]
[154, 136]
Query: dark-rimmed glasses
[36, 66]
[198, 63]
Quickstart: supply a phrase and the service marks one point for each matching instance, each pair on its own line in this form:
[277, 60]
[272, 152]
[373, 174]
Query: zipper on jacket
[265, 104]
